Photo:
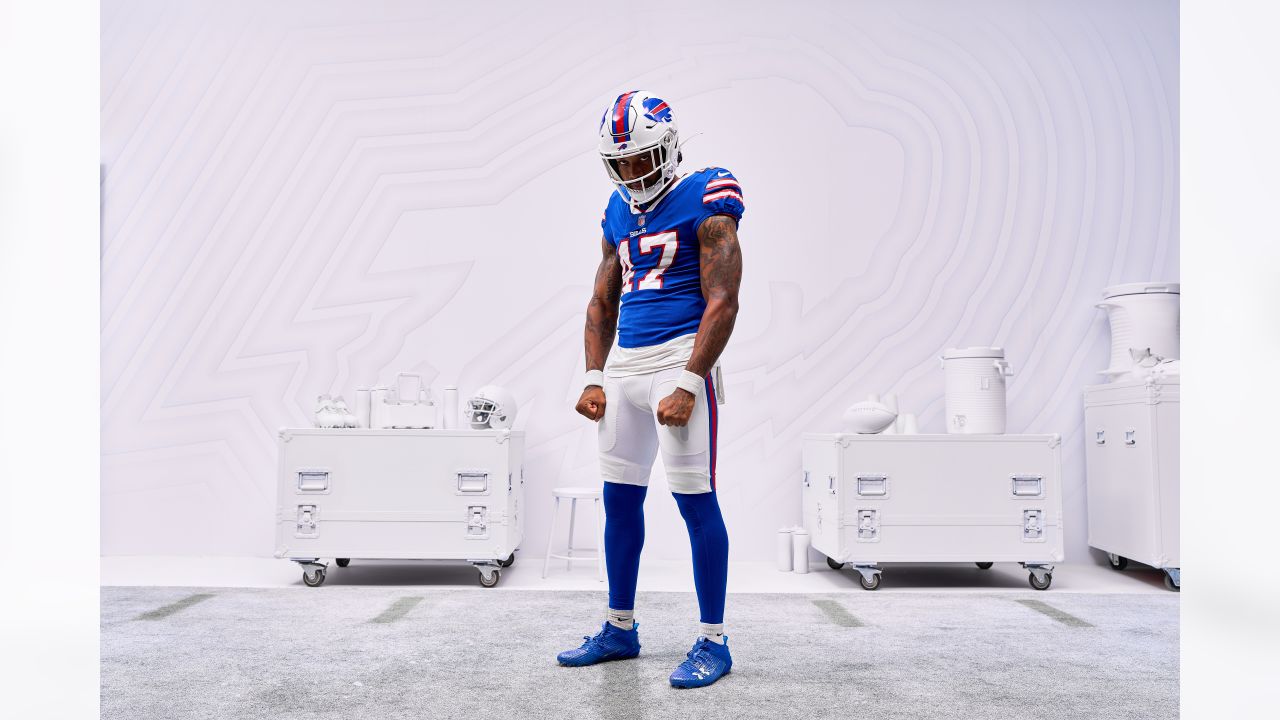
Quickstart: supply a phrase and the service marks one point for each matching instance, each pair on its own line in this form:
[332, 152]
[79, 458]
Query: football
[868, 417]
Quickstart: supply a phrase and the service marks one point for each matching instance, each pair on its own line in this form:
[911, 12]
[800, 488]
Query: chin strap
[635, 206]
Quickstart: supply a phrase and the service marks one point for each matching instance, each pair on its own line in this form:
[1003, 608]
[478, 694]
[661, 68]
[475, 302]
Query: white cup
[910, 425]
[377, 406]
[784, 550]
[362, 407]
[800, 551]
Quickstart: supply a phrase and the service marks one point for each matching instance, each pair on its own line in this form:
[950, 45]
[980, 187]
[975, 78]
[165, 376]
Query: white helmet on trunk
[638, 124]
[491, 407]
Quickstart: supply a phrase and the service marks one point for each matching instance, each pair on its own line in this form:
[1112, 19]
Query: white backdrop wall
[299, 197]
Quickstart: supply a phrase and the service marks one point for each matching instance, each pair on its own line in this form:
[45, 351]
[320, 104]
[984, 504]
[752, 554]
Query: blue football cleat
[707, 662]
[610, 643]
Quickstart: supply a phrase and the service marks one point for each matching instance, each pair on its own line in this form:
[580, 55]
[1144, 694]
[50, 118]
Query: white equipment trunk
[1131, 471]
[400, 494]
[934, 498]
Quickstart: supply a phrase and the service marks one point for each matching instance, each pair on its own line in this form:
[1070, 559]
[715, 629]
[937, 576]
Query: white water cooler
[1144, 318]
[975, 390]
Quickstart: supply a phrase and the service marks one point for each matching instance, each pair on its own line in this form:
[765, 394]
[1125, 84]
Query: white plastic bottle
[450, 407]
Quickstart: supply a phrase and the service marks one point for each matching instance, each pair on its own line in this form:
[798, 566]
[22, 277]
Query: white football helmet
[637, 123]
[491, 407]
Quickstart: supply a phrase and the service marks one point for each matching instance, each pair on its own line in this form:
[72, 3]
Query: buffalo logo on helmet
[657, 110]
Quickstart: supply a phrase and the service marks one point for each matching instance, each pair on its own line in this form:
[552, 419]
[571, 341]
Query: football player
[667, 286]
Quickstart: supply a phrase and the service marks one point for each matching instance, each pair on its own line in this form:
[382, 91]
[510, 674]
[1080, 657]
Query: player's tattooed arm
[602, 311]
[721, 268]
[721, 261]
[602, 325]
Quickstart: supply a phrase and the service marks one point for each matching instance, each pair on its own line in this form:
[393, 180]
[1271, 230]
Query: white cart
[1131, 469]
[399, 494]
[870, 499]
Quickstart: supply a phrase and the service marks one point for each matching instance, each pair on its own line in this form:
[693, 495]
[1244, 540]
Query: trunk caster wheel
[342, 562]
[1037, 584]
[511, 560]
[1168, 582]
[984, 565]
[834, 565]
[489, 579]
[871, 584]
[313, 579]
[1118, 562]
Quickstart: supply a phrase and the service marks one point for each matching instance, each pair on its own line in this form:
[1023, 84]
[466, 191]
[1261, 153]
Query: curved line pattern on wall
[303, 197]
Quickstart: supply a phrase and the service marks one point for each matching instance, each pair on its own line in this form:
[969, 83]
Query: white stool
[574, 494]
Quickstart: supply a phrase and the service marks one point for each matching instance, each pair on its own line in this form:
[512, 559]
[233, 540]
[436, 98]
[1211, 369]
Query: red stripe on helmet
[620, 115]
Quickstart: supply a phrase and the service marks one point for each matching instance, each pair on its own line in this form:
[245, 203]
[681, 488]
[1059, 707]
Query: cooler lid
[973, 352]
[1160, 389]
[1140, 289]
[1159, 379]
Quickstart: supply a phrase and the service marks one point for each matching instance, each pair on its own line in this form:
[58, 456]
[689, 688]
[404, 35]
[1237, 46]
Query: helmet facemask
[491, 407]
[480, 411]
[663, 156]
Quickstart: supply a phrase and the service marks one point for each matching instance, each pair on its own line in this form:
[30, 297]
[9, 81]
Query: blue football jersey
[659, 252]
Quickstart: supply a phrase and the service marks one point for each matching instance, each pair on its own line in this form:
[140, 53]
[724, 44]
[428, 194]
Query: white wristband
[594, 377]
[691, 382]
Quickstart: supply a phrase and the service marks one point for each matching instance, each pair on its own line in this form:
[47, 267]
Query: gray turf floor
[429, 652]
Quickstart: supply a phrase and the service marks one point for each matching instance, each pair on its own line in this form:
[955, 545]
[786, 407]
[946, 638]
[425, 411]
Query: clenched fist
[676, 408]
[591, 404]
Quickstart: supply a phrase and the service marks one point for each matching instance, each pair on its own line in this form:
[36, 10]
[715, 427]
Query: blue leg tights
[710, 542]
[623, 540]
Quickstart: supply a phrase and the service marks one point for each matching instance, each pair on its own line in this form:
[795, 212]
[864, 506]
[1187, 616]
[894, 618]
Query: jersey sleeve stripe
[722, 194]
[722, 183]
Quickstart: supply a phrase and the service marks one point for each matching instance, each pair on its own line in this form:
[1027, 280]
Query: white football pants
[630, 435]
